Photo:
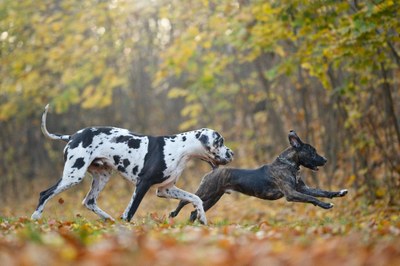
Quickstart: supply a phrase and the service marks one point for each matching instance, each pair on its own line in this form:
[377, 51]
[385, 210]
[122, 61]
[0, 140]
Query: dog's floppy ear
[203, 138]
[294, 140]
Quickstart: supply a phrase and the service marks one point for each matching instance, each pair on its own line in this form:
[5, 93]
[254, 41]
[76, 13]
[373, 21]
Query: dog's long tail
[49, 135]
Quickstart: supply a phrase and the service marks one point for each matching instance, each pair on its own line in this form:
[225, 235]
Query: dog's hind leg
[46, 195]
[181, 204]
[315, 192]
[71, 176]
[100, 178]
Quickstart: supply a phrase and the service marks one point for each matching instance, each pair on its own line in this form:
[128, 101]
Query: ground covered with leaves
[241, 231]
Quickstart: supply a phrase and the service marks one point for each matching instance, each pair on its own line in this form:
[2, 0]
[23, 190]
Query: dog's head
[306, 154]
[214, 150]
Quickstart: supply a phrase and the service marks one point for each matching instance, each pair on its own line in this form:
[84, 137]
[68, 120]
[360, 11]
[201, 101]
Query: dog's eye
[221, 142]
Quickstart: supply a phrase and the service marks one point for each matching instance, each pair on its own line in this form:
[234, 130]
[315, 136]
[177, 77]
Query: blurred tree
[64, 52]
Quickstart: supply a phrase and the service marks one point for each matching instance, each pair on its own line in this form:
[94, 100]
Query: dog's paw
[327, 206]
[343, 192]
[202, 219]
[124, 218]
[173, 214]
[36, 216]
[109, 220]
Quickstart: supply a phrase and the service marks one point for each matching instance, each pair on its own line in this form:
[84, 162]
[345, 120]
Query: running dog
[273, 181]
[146, 161]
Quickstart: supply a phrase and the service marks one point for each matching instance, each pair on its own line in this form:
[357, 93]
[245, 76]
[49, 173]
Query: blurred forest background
[252, 70]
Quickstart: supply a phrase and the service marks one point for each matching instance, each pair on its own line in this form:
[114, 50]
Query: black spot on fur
[79, 163]
[204, 139]
[198, 134]
[183, 138]
[90, 202]
[134, 143]
[116, 159]
[154, 163]
[129, 140]
[122, 139]
[217, 135]
[126, 162]
[86, 136]
[66, 154]
[135, 170]
[121, 168]
[47, 193]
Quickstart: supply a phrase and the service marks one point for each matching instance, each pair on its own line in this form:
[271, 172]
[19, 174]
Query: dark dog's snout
[321, 161]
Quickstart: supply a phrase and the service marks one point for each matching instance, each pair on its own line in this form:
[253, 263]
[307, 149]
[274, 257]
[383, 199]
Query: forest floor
[241, 231]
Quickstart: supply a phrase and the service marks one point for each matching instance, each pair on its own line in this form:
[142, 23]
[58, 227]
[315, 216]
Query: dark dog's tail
[49, 135]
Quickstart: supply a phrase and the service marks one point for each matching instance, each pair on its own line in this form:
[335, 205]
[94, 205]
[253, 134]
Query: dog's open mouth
[315, 168]
[212, 163]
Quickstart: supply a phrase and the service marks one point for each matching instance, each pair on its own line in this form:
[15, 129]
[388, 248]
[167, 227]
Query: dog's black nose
[229, 154]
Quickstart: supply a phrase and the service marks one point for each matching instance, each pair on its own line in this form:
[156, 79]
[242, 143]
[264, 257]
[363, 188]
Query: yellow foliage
[380, 192]
[192, 110]
[177, 93]
[7, 110]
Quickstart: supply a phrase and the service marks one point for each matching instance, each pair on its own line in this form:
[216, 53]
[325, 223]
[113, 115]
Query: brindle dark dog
[273, 181]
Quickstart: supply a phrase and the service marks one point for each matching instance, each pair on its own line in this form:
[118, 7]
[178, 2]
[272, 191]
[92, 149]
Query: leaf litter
[242, 231]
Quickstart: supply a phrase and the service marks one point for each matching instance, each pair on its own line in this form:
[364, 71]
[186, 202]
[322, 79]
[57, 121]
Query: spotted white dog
[144, 160]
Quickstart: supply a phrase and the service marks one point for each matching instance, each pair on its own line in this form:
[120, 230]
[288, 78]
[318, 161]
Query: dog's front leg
[141, 190]
[176, 193]
[293, 195]
[315, 192]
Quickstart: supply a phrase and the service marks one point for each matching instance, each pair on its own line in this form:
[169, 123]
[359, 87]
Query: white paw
[202, 218]
[343, 192]
[124, 217]
[331, 205]
[36, 215]
[106, 217]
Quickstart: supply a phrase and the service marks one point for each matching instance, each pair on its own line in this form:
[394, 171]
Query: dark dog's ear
[294, 140]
